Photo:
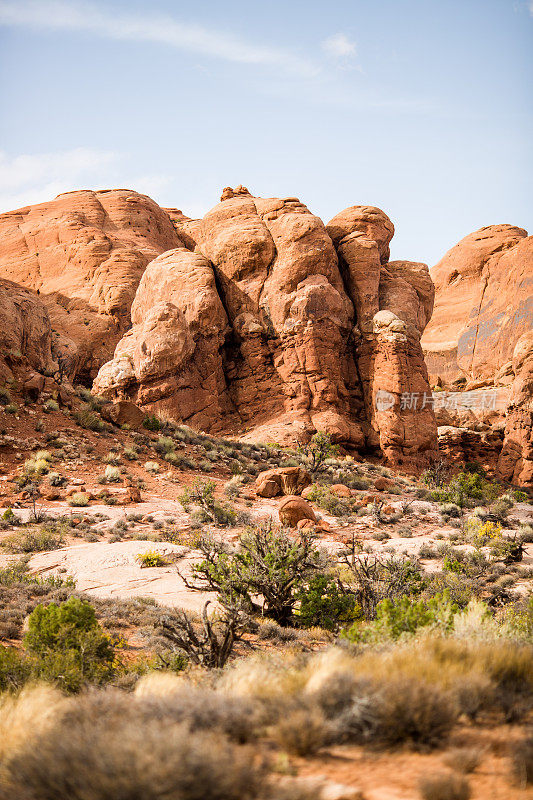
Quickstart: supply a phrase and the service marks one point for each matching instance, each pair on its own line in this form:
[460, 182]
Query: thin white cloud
[60, 15]
[339, 46]
[36, 178]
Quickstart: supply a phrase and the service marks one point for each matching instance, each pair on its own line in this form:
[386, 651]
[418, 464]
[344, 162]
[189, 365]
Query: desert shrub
[319, 449]
[450, 511]
[36, 466]
[490, 534]
[324, 498]
[86, 417]
[108, 745]
[152, 423]
[78, 499]
[302, 732]
[50, 405]
[463, 759]
[5, 396]
[402, 711]
[525, 533]
[522, 761]
[268, 562]
[36, 539]
[201, 494]
[112, 458]
[465, 488]
[15, 669]
[151, 558]
[500, 508]
[201, 707]
[69, 643]
[112, 474]
[55, 479]
[444, 786]
[206, 642]
[373, 577]
[404, 614]
[233, 487]
[130, 453]
[436, 475]
[324, 603]
[152, 467]
[164, 445]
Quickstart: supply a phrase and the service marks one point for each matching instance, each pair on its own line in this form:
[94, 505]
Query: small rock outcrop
[282, 481]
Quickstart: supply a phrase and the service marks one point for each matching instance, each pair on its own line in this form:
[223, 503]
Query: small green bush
[324, 604]
[405, 615]
[152, 423]
[69, 636]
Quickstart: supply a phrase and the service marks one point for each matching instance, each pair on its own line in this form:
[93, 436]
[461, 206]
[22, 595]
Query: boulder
[340, 490]
[282, 481]
[292, 509]
[33, 386]
[123, 413]
[382, 484]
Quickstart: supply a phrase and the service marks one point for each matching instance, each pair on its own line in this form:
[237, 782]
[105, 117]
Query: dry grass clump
[522, 761]
[302, 732]
[110, 744]
[444, 786]
[463, 759]
[401, 711]
[36, 539]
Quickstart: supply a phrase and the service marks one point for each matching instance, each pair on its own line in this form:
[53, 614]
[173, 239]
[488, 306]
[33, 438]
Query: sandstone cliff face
[516, 458]
[85, 253]
[480, 334]
[484, 303]
[264, 319]
[25, 332]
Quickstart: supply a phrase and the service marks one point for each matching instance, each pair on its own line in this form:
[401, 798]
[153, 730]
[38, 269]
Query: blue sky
[421, 107]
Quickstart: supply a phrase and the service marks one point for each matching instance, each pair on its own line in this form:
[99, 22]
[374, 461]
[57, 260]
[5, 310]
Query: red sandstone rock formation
[483, 305]
[255, 318]
[480, 335]
[85, 253]
[25, 332]
[516, 458]
[253, 324]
